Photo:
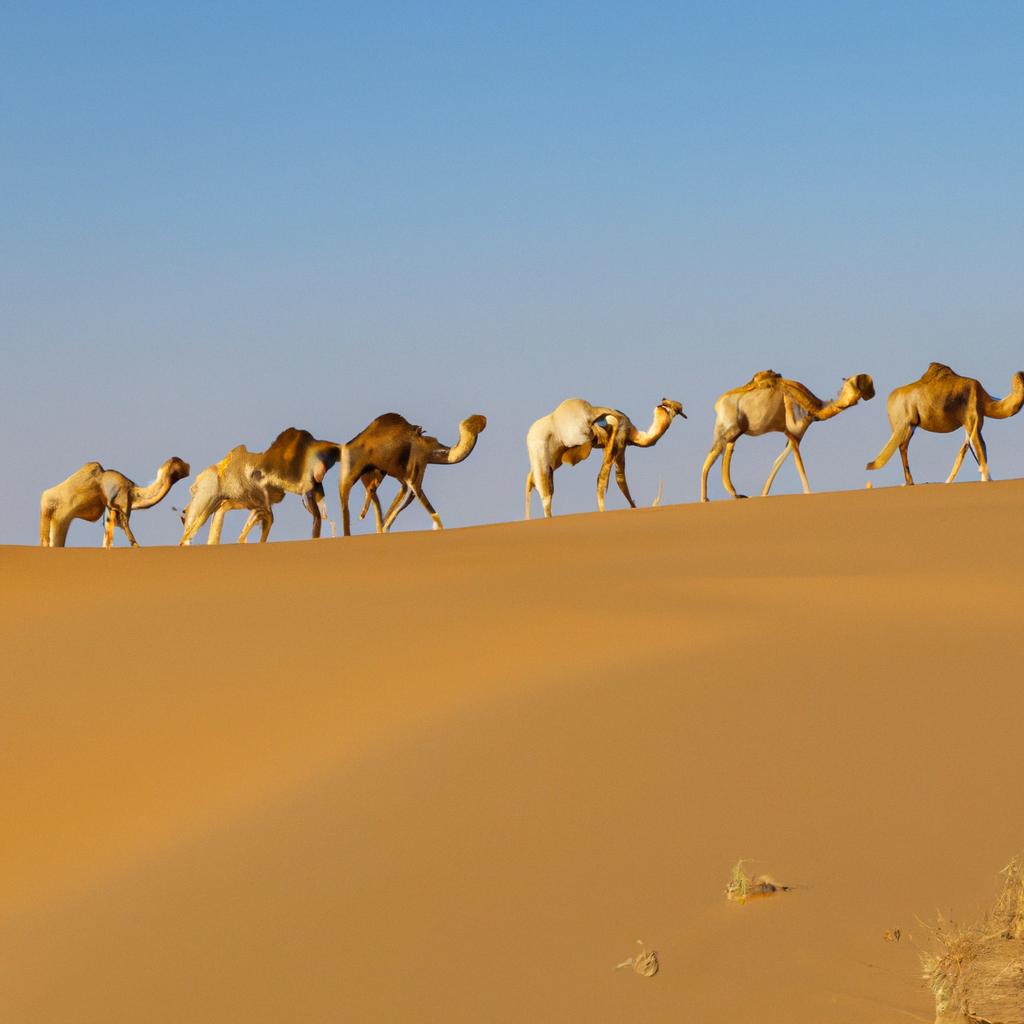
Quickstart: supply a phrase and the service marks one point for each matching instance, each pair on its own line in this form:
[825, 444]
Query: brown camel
[567, 436]
[297, 463]
[940, 402]
[392, 446]
[93, 490]
[769, 403]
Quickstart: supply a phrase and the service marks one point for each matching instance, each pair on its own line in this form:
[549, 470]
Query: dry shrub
[977, 972]
[743, 887]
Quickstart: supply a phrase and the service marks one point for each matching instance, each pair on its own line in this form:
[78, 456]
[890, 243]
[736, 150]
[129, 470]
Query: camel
[768, 403]
[940, 402]
[93, 490]
[392, 446]
[567, 436]
[236, 482]
[296, 463]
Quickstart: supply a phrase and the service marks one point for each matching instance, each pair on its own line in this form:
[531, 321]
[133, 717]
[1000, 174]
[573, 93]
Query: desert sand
[456, 776]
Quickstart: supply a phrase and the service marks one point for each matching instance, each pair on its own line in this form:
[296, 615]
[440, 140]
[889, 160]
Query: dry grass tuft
[743, 887]
[1008, 912]
[977, 972]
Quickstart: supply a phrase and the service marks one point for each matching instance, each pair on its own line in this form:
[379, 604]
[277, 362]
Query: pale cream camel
[93, 490]
[295, 463]
[769, 403]
[392, 446]
[941, 402]
[567, 436]
[236, 482]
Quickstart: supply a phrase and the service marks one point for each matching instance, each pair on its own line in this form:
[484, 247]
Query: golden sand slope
[455, 777]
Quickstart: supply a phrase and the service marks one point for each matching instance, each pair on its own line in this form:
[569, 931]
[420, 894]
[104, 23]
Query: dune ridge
[456, 776]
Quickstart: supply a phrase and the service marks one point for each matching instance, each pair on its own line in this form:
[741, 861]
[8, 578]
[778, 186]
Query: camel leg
[529, 491]
[418, 491]
[122, 521]
[59, 532]
[372, 499]
[309, 500]
[959, 459]
[905, 456]
[798, 459]
[402, 500]
[776, 466]
[344, 489]
[371, 484]
[726, 475]
[620, 478]
[217, 524]
[604, 473]
[324, 514]
[108, 528]
[544, 479]
[243, 537]
[716, 450]
[191, 530]
[981, 451]
[265, 516]
[45, 527]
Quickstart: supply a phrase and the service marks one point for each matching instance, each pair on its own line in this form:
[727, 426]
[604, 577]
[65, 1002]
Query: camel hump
[763, 378]
[395, 419]
[937, 370]
[292, 435]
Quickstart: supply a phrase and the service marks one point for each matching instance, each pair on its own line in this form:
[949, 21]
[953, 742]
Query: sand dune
[455, 777]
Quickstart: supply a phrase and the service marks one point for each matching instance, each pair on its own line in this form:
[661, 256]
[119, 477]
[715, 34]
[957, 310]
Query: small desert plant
[739, 883]
[743, 887]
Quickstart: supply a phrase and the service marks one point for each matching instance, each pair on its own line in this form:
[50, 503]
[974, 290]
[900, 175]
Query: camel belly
[939, 424]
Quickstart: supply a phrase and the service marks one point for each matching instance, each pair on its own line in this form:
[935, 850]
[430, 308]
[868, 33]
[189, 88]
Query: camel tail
[657, 497]
[886, 453]
[529, 491]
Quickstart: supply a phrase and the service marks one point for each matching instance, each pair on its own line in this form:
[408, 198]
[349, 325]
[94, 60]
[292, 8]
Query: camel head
[469, 429]
[856, 388]
[176, 469]
[672, 408]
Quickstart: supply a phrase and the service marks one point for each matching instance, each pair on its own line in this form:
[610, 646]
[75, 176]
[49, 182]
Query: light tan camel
[567, 436]
[392, 446]
[296, 463]
[940, 402]
[93, 490]
[769, 403]
[236, 482]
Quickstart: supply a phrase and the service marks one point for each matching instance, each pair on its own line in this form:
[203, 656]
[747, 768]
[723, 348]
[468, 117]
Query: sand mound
[440, 777]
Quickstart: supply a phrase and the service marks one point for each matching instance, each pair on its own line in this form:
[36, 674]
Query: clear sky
[222, 219]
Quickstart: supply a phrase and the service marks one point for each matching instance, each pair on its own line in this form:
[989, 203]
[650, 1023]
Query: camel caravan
[390, 446]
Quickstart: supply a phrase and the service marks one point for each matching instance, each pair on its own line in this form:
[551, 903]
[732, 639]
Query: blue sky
[223, 219]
